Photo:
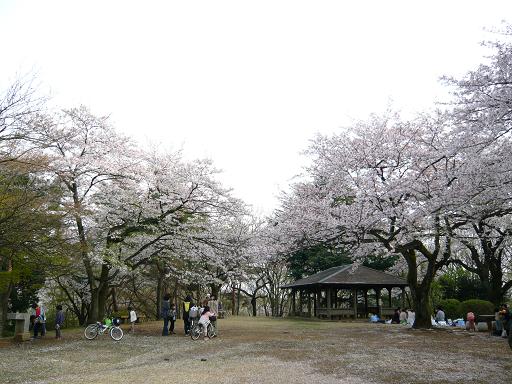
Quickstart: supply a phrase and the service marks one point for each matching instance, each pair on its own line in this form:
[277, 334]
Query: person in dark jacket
[172, 319]
[59, 321]
[186, 309]
[396, 317]
[166, 308]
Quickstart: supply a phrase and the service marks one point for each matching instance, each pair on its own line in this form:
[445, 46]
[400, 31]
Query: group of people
[502, 319]
[204, 312]
[38, 321]
[405, 316]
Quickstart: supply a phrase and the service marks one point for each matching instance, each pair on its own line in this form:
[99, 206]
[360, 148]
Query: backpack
[193, 312]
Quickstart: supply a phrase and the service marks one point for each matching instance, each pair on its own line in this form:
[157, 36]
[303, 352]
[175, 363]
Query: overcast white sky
[246, 83]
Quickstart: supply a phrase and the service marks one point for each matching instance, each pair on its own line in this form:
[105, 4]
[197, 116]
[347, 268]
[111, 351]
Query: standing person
[505, 319]
[133, 318]
[497, 318]
[42, 319]
[220, 315]
[172, 318]
[470, 317]
[39, 321]
[186, 309]
[166, 308]
[214, 307]
[32, 312]
[59, 321]
[37, 325]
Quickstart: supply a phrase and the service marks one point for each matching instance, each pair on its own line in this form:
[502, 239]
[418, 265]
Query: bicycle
[197, 330]
[111, 327]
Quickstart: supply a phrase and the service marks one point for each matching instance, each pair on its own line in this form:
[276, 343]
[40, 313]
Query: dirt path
[258, 350]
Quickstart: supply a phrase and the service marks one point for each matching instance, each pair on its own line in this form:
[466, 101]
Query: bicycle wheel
[195, 332]
[210, 331]
[116, 333]
[91, 331]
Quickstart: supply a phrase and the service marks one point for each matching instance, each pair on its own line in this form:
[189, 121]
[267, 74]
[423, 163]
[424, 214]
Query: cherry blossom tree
[84, 153]
[482, 120]
[381, 186]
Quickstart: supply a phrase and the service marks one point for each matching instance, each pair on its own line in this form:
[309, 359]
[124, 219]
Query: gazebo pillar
[403, 297]
[315, 307]
[377, 296]
[354, 302]
[309, 303]
[329, 302]
[294, 310]
[389, 293]
[301, 294]
[366, 302]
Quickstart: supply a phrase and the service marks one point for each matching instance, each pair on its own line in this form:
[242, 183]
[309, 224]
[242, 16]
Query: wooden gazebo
[344, 291]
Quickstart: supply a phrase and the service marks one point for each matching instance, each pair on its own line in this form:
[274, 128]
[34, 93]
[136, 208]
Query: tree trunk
[103, 290]
[421, 292]
[4, 307]
[423, 307]
[158, 296]
[115, 306]
[215, 288]
[238, 299]
[233, 300]
[83, 315]
[84, 247]
[93, 306]
[253, 304]
[102, 302]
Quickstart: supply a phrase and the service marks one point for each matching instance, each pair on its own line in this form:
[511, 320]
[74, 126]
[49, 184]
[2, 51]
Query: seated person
[411, 316]
[374, 318]
[440, 316]
[403, 317]
[396, 317]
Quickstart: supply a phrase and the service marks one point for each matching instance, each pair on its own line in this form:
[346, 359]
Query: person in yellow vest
[186, 309]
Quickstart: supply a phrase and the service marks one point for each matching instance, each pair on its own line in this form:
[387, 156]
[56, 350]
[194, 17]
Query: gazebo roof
[345, 275]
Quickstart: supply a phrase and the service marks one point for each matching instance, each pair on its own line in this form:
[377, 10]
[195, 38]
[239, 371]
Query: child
[172, 318]
[471, 320]
[59, 321]
[193, 314]
[133, 319]
[205, 319]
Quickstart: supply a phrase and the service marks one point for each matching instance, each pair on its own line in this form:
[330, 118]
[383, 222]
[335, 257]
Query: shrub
[478, 307]
[451, 308]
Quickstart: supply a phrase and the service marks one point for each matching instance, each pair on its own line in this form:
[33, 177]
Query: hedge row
[454, 309]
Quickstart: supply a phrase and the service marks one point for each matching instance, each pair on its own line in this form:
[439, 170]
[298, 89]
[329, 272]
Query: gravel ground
[260, 350]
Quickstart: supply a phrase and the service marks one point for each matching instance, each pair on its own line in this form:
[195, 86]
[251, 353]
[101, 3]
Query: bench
[125, 319]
